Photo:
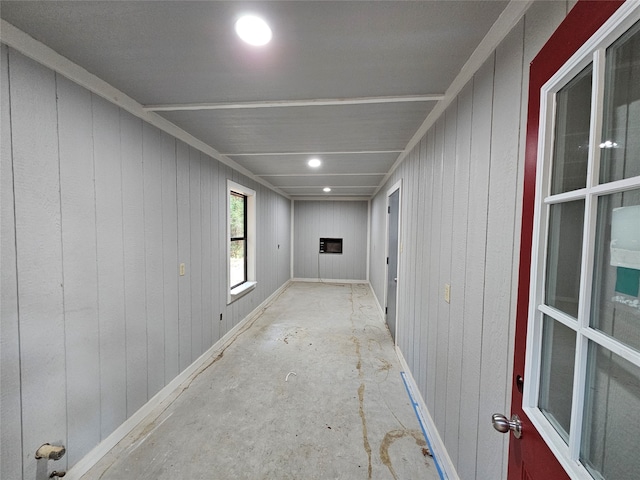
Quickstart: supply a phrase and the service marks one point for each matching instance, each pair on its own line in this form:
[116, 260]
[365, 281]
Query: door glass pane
[611, 422]
[620, 145]
[571, 140]
[615, 306]
[238, 259]
[562, 283]
[556, 374]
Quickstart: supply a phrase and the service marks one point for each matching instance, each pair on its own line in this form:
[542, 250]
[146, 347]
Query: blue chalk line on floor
[416, 409]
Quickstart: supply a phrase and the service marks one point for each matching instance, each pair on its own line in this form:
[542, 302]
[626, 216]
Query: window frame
[243, 238]
[234, 292]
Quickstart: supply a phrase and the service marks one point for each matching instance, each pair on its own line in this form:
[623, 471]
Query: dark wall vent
[330, 245]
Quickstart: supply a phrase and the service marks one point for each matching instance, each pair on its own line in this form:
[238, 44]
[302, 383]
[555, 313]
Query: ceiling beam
[279, 154]
[321, 175]
[337, 198]
[316, 102]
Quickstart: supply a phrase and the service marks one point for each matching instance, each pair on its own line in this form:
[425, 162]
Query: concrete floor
[344, 414]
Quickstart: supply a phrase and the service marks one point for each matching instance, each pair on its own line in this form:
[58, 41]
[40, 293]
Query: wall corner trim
[445, 466]
[161, 400]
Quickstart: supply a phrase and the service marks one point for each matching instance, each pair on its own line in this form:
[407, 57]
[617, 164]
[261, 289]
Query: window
[583, 351]
[238, 219]
[241, 257]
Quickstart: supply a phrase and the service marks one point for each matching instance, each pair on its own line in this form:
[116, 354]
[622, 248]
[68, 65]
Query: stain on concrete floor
[344, 415]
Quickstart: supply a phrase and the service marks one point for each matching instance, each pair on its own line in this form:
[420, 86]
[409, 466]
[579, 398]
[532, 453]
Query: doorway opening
[393, 251]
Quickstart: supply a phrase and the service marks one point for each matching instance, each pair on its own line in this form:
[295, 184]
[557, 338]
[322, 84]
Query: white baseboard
[167, 395]
[380, 309]
[327, 280]
[443, 462]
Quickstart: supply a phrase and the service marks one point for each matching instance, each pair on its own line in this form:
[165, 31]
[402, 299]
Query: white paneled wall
[98, 211]
[331, 219]
[461, 207]
[10, 397]
[10, 401]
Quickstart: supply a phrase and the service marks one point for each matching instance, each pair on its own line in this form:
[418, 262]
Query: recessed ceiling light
[314, 163]
[326, 189]
[253, 30]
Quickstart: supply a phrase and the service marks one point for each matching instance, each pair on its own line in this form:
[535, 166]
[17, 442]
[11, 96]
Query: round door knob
[504, 424]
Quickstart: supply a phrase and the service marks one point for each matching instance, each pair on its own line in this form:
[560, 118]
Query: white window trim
[592, 51]
[241, 290]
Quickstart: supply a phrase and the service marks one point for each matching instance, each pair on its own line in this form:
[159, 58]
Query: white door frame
[396, 186]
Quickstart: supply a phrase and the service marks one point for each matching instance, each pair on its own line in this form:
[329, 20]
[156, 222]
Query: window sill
[241, 291]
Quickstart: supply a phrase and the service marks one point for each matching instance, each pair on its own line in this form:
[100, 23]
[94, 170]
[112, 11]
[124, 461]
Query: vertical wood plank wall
[461, 207]
[95, 317]
[332, 219]
[80, 265]
[10, 395]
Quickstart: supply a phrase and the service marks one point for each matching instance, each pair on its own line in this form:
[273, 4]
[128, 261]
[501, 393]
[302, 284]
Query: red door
[529, 456]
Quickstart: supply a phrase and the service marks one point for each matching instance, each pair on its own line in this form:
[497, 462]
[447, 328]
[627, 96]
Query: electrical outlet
[182, 269]
[447, 292]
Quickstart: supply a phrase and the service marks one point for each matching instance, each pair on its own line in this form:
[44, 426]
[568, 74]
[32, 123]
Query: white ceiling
[349, 82]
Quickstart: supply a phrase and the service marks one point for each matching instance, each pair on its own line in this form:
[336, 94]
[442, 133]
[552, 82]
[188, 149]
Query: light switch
[447, 292]
[182, 269]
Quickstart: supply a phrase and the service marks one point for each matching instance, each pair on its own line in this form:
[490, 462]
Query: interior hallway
[344, 412]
